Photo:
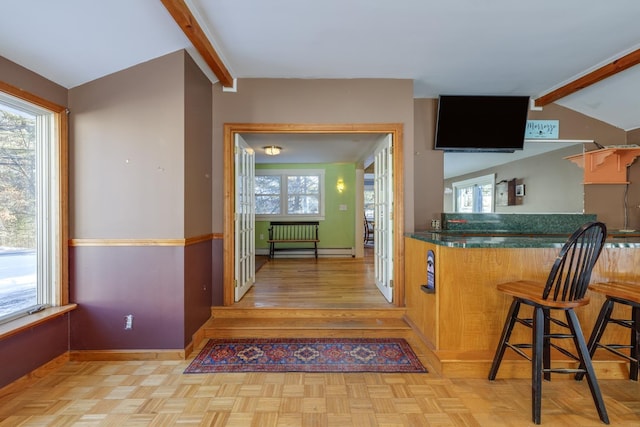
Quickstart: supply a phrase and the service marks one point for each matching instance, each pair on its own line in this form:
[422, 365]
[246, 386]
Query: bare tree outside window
[18, 217]
[267, 190]
[289, 193]
[303, 194]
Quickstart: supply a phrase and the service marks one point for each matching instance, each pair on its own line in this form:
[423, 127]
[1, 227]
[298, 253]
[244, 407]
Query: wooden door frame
[395, 129]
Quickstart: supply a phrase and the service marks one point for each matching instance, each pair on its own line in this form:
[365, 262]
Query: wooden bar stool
[564, 290]
[618, 293]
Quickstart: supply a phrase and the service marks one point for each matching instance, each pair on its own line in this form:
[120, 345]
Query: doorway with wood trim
[396, 256]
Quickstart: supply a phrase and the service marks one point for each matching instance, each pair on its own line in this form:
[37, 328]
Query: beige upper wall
[197, 145]
[313, 101]
[266, 100]
[127, 153]
[574, 125]
[428, 164]
[20, 77]
[606, 201]
[633, 136]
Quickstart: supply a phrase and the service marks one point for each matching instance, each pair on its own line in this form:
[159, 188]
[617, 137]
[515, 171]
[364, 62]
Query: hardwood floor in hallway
[347, 283]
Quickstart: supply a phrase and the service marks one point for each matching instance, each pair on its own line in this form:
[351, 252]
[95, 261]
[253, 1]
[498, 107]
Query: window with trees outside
[289, 194]
[369, 196]
[474, 195]
[30, 208]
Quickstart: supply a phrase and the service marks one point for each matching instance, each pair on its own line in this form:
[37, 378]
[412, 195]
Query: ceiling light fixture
[272, 150]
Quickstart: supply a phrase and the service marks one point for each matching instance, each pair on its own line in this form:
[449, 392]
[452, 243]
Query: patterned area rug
[306, 355]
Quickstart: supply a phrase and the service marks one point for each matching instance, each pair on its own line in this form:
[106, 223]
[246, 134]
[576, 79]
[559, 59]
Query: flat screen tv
[481, 123]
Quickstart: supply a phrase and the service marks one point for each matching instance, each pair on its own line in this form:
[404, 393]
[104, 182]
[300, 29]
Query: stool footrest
[517, 348]
[565, 370]
[613, 348]
[564, 351]
[622, 322]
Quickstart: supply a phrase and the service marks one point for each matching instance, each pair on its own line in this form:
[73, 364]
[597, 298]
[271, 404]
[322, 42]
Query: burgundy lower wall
[197, 287]
[217, 267]
[32, 348]
[109, 282]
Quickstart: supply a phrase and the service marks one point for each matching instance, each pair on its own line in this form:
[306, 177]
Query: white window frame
[50, 256]
[479, 180]
[284, 173]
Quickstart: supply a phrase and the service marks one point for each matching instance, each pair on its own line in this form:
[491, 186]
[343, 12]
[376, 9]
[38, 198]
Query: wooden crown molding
[29, 97]
[620, 64]
[190, 27]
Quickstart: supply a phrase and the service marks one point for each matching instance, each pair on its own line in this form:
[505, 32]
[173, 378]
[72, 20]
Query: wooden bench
[293, 232]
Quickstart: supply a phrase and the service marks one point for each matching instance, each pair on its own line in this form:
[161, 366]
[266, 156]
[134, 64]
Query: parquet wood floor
[157, 393]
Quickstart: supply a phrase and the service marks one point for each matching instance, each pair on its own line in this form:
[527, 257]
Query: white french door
[383, 217]
[245, 242]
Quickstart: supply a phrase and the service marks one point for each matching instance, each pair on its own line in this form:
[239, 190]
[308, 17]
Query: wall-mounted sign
[542, 129]
[430, 286]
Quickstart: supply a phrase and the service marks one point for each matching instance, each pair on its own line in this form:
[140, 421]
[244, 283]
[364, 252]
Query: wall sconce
[272, 150]
[340, 185]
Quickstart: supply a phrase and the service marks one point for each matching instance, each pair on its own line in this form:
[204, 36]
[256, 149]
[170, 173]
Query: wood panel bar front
[461, 322]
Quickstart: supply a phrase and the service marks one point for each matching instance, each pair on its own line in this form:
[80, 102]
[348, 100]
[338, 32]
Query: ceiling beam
[595, 76]
[190, 27]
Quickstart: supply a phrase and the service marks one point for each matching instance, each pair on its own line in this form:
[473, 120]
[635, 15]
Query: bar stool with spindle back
[617, 293]
[564, 290]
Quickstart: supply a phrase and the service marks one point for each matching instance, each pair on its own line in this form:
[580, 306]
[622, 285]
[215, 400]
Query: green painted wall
[337, 229]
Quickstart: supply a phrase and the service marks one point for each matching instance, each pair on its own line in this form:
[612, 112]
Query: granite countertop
[498, 239]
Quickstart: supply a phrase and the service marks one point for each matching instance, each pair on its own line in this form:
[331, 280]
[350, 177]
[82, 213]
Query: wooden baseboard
[429, 353]
[25, 381]
[102, 355]
[123, 355]
[521, 368]
[88, 355]
[452, 364]
[196, 340]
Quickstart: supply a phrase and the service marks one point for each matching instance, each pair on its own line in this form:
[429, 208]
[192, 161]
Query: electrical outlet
[128, 322]
[261, 236]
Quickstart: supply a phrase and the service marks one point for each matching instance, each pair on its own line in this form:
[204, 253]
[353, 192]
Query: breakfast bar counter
[509, 240]
[461, 314]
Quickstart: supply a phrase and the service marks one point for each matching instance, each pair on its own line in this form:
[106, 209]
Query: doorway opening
[395, 132]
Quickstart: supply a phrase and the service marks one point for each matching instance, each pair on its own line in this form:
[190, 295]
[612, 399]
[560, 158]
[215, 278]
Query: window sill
[23, 323]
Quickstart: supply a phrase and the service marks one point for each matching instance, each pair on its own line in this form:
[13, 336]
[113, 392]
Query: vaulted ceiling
[498, 47]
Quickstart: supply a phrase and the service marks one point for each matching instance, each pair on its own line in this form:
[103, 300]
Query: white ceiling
[489, 47]
[314, 148]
